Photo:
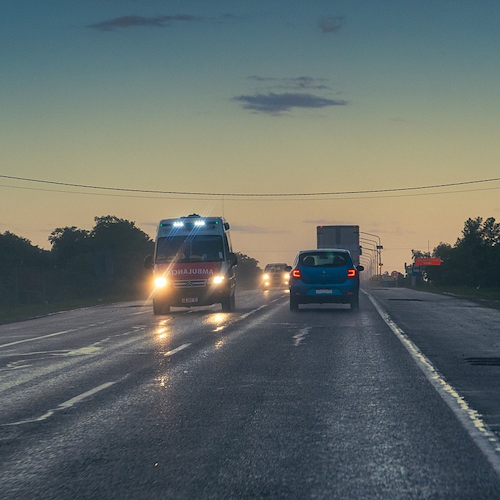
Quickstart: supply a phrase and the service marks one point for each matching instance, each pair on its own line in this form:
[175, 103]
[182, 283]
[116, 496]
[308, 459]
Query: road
[393, 402]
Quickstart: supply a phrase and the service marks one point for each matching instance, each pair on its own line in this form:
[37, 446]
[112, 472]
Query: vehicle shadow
[325, 309]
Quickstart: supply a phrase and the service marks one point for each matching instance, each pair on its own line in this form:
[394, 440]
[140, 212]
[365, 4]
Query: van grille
[190, 283]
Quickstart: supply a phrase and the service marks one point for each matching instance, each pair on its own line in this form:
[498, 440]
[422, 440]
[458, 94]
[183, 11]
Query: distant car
[275, 276]
[324, 276]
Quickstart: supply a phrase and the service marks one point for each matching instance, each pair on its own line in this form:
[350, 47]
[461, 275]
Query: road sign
[416, 271]
[428, 261]
[394, 274]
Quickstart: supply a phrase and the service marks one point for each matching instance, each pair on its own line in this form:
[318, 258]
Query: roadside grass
[11, 314]
[488, 297]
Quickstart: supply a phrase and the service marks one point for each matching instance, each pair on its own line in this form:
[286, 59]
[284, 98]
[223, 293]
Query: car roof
[323, 250]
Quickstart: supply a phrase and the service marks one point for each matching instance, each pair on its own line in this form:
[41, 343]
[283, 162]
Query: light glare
[160, 282]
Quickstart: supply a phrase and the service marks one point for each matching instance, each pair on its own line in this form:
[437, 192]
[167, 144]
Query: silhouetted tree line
[248, 272]
[107, 261]
[473, 261]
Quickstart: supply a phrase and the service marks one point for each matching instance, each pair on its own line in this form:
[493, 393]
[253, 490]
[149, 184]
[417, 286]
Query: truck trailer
[343, 237]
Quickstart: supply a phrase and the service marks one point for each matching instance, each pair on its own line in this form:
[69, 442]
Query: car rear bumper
[323, 294]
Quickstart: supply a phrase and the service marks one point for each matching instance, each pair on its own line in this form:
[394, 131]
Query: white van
[193, 264]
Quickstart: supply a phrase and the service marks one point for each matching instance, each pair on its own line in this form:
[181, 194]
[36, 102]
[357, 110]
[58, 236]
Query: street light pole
[369, 241]
[369, 261]
[375, 251]
[379, 248]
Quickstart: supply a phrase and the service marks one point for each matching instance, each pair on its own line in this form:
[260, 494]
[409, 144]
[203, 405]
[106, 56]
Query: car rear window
[324, 259]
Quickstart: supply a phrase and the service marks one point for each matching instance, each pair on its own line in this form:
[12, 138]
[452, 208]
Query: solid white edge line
[471, 420]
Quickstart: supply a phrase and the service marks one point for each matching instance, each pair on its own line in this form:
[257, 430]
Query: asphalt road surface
[397, 401]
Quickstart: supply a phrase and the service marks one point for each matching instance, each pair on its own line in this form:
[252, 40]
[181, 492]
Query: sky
[278, 115]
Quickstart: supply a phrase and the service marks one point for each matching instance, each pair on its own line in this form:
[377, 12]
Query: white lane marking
[173, 351]
[276, 300]
[91, 325]
[92, 349]
[243, 316]
[32, 339]
[15, 365]
[299, 337]
[486, 440]
[67, 404]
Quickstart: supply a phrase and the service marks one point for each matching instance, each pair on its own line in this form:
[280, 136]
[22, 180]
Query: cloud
[296, 83]
[331, 24]
[155, 22]
[276, 104]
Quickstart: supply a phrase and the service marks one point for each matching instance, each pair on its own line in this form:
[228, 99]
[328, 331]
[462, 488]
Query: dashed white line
[243, 316]
[33, 339]
[67, 404]
[173, 351]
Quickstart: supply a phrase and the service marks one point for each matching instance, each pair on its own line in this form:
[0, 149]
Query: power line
[249, 195]
[277, 200]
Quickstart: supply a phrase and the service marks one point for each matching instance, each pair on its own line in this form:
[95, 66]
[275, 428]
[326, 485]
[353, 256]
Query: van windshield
[198, 248]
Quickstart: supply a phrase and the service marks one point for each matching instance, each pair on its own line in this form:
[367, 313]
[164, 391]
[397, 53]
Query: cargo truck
[343, 237]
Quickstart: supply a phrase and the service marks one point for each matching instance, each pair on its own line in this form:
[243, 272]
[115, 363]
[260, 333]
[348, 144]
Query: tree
[119, 249]
[444, 273]
[417, 254]
[248, 271]
[107, 260]
[67, 242]
[475, 251]
[473, 261]
[17, 250]
[22, 269]
[491, 232]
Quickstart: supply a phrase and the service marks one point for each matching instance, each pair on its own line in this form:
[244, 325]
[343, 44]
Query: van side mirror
[288, 269]
[233, 259]
[360, 268]
[148, 262]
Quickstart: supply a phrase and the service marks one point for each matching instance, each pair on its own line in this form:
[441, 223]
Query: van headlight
[217, 280]
[160, 282]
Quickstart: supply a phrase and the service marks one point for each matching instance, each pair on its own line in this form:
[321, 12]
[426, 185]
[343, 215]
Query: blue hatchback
[324, 276]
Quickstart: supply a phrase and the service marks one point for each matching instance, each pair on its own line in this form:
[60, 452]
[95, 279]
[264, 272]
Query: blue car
[324, 276]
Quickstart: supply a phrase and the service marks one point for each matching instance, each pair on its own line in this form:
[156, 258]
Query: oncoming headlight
[265, 277]
[287, 276]
[160, 282]
[218, 280]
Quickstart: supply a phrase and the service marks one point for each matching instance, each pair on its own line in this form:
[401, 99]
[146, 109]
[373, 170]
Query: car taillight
[296, 273]
[351, 273]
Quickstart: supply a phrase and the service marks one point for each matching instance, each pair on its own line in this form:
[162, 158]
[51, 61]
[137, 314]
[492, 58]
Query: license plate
[190, 300]
[324, 291]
